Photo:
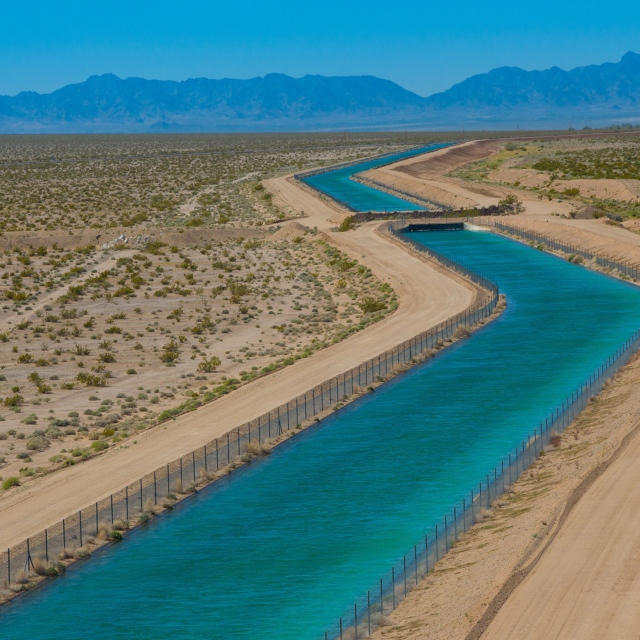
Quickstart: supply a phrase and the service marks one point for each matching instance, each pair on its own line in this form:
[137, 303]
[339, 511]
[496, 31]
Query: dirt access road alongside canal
[426, 297]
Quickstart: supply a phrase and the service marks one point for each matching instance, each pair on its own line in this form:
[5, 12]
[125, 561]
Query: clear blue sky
[423, 46]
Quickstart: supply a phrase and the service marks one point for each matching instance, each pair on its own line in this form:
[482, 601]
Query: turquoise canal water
[360, 197]
[286, 545]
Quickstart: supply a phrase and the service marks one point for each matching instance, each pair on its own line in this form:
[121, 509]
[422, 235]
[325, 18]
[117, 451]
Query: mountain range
[106, 103]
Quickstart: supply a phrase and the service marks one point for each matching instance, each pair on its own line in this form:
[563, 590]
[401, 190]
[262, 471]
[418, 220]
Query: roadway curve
[426, 297]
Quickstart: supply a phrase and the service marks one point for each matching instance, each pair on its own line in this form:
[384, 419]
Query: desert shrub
[170, 352]
[120, 525]
[369, 304]
[347, 224]
[38, 443]
[91, 380]
[509, 200]
[99, 445]
[14, 401]
[208, 366]
[462, 332]
[10, 482]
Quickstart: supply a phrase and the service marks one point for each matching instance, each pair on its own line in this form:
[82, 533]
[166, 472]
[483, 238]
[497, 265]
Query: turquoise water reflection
[360, 197]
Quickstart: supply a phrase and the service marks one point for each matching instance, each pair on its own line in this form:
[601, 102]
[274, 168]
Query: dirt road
[426, 297]
[587, 583]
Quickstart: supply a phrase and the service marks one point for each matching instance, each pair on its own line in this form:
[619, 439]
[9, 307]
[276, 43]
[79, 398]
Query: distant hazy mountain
[597, 90]
[106, 103]
[277, 102]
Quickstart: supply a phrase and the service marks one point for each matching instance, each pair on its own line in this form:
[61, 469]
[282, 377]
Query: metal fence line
[384, 597]
[626, 268]
[72, 532]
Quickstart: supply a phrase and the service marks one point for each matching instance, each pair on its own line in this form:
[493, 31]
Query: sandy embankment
[426, 297]
[427, 176]
[420, 188]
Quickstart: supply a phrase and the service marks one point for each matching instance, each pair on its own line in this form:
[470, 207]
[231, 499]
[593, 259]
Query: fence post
[193, 462]
[141, 506]
[355, 617]
[46, 546]
[80, 515]
[393, 587]
[64, 535]
[155, 489]
[426, 554]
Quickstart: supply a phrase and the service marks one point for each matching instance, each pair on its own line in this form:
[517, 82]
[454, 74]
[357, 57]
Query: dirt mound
[441, 162]
[81, 238]
[289, 232]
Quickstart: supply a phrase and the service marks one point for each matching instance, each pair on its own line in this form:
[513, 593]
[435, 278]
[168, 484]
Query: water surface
[362, 198]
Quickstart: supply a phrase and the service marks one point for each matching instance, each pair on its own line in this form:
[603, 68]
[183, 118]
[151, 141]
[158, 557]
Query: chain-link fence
[70, 535]
[625, 268]
[364, 617]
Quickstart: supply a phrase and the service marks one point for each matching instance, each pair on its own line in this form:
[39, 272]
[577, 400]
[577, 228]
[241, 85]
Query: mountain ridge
[107, 103]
